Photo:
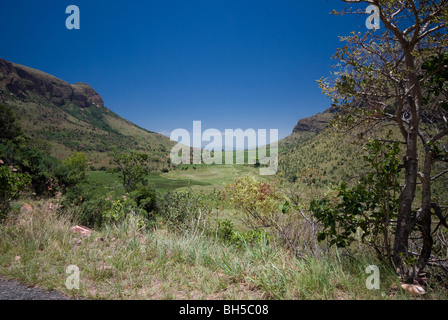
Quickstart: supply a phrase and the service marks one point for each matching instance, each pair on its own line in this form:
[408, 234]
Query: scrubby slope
[73, 117]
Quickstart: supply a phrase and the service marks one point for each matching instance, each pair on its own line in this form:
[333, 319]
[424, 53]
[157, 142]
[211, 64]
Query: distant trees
[398, 74]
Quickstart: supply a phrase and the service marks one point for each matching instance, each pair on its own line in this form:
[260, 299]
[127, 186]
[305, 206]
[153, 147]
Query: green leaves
[132, 167]
[368, 206]
[77, 165]
[258, 202]
[183, 211]
[10, 129]
[11, 183]
[436, 72]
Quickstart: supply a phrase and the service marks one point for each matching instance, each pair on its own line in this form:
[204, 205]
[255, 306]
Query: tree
[131, 167]
[390, 76]
[8, 124]
[77, 164]
[369, 206]
[28, 156]
[11, 183]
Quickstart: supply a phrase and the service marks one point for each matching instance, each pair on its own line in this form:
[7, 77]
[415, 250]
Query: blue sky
[164, 64]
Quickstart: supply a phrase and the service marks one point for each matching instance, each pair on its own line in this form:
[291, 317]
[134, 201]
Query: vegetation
[396, 76]
[346, 197]
[124, 262]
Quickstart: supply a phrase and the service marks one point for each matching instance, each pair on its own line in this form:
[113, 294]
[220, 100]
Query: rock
[85, 95]
[84, 231]
[414, 289]
[315, 123]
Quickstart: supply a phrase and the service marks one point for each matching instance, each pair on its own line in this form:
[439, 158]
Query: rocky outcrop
[22, 81]
[315, 123]
[83, 94]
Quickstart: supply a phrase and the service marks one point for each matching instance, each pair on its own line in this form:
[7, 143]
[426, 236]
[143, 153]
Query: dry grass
[123, 262]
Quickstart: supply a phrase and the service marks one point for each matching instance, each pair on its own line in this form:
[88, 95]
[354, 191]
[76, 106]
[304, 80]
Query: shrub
[258, 202]
[87, 212]
[145, 197]
[183, 210]
[370, 206]
[229, 235]
[76, 164]
[11, 184]
[124, 210]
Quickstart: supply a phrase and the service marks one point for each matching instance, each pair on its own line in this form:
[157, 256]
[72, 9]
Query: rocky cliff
[315, 123]
[22, 81]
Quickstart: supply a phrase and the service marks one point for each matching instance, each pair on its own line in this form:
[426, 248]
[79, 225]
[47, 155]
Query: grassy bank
[124, 262]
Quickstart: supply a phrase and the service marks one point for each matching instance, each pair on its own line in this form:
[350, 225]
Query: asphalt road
[13, 290]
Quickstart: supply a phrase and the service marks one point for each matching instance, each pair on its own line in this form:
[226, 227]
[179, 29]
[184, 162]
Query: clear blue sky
[163, 64]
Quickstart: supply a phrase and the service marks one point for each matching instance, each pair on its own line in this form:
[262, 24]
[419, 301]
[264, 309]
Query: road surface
[13, 290]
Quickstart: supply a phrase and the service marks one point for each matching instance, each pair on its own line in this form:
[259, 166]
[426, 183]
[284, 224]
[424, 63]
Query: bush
[87, 212]
[76, 164]
[11, 184]
[145, 197]
[370, 206]
[124, 210]
[229, 235]
[183, 211]
[258, 202]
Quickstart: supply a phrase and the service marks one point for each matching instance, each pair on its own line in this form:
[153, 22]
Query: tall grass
[122, 261]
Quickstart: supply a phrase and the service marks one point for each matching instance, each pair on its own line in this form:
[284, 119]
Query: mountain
[20, 81]
[308, 128]
[316, 123]
[329, 155]
[73, 117]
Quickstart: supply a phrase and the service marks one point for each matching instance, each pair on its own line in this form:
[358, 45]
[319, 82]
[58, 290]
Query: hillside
[73, 117]
[332, 155]
[308, 128]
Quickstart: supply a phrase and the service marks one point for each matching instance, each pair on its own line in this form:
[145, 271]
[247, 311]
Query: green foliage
[182, 211]
[48, 174]
[77, 165]
[131, 167]
[258, 202]
[227, 233]
[369, 206]
[435, 68]
[89, 212]
[145, 197]
[11, 183]
[123, 210]
[8, 124]
[29, 156]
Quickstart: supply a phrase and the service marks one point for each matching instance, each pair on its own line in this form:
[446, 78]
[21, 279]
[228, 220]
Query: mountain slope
[308, 128]
[329, 155]
[74, 118]
[332, 155]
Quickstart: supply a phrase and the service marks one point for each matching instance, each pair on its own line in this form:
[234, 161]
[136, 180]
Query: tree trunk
[426, 212]
[405, 219]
